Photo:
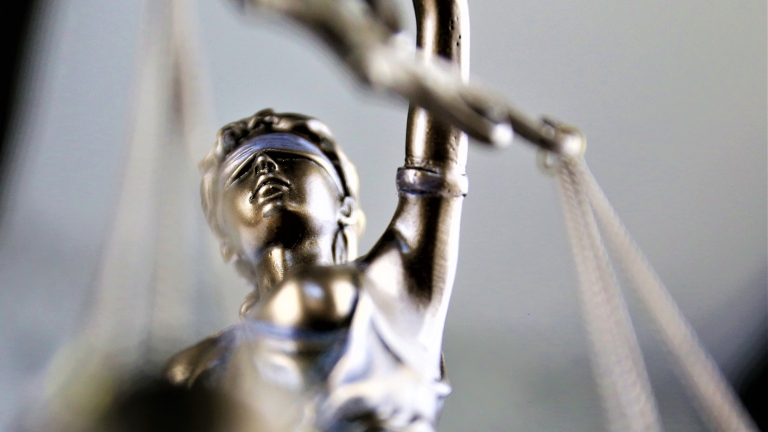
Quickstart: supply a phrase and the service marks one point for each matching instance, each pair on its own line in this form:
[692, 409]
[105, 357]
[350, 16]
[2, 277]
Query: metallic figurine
[329, 340]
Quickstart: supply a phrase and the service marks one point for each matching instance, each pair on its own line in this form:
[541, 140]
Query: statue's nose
[264, 163]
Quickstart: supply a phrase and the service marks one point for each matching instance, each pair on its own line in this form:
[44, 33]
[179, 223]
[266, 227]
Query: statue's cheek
[237, 207]
[318, 197]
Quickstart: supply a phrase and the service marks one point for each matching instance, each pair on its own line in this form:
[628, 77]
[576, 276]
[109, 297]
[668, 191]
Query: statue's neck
[277, 261]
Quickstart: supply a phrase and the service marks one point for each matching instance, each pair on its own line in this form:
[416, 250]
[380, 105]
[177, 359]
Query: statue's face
[278, 198]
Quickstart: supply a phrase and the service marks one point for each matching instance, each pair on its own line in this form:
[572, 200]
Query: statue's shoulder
[205, 360]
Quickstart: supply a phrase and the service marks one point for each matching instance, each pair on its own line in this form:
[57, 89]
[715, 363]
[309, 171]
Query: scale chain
[617, 363]
[695, 365]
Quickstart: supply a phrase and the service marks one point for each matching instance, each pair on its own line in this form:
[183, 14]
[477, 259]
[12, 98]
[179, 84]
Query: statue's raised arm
[414, 262]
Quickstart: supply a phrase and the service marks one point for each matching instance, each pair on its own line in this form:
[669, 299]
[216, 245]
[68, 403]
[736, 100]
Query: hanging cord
[697, 368]
[618, 366]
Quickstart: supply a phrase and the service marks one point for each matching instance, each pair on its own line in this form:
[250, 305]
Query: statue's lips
[270, 186]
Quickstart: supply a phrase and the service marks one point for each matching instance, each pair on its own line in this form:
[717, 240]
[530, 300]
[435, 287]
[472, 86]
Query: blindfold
[284, 143]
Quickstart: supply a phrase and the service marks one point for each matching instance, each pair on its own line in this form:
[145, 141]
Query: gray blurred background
[671, 95]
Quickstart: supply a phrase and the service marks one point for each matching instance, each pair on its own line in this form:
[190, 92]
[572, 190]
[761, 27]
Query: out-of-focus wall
[672, 97]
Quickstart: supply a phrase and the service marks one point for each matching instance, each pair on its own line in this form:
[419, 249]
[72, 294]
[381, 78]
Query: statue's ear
[345, 212]
[351, 224]
[340, 246]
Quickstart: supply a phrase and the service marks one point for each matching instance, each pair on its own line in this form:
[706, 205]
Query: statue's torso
[314, 302]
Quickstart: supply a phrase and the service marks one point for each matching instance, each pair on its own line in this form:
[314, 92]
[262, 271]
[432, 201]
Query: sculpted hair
[265, 122]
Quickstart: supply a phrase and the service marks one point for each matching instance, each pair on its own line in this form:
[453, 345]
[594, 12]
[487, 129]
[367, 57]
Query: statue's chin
[272, 208]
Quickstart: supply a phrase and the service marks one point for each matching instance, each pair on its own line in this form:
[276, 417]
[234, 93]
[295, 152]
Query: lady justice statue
[356, 339]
